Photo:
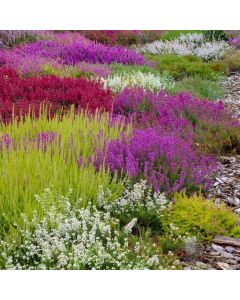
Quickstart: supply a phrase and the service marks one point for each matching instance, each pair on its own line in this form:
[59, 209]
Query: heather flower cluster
[108, 140]
[69, 237]
[19, 95]
[235, 41]
[146, 80]
[75, 52]
[189, 44]
[167, 162]
[172, 112]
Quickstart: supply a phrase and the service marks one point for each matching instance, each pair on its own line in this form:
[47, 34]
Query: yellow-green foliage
[66, 71]
[183, 66]
[27, 171]
[202, 218]
[232, 59]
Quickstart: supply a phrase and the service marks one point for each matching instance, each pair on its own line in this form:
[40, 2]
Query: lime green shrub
[27, 170]
[184, 66]
[202, 218]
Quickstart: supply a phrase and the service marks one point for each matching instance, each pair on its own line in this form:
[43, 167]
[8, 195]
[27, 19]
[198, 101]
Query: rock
[226, 240]
[201, 265]
[217, 248]
[237, 211]
[226, 255]
[224, 266]
[230, 249]
[232, 261]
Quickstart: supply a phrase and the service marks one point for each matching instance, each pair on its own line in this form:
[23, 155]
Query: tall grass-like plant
[37, 153]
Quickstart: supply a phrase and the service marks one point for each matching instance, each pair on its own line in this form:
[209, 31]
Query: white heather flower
[153, 260]
[146, 80]
[188, 44]
[128, 228]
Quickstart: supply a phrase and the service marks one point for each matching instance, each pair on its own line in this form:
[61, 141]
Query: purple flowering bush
[212, 126]
[167, 162]
[235, 41]
[75, 52]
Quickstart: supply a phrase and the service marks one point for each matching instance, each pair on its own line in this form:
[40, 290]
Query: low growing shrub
[19, 95]
[146, 80]
[69, 237]
[201, 88]
[184, 66]
[202, 218]
[166, 161]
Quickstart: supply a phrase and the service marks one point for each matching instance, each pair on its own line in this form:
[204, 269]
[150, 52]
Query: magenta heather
[167, 162]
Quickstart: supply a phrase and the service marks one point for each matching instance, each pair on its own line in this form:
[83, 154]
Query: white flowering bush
[69, 237]
[138, 202]
[188, 44]
[146, 80]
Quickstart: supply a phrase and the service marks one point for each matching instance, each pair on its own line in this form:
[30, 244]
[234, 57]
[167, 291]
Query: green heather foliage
[173, 34]
[202, 218]
[215, 35]
[232, 59]
[122, 69]
[202, 88]
[184, 66]
[26, 170]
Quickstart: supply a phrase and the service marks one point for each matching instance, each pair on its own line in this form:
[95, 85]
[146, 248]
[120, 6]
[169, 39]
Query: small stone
[217, 248]
[232, 261]
[224, 266]
[237, 211]
[226, 254]
[230, 249]
[219, 180]
[201, 265]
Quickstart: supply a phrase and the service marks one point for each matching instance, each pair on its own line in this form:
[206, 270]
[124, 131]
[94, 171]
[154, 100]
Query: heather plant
[55, 92]
[202, 218]
[215, 35]
[174, 34]
[146, 80]
[167, 162]
[69, 237]
[76, 71]
[77, 51]
[139, 202]
[235, 41]
[186, 66]
[117, 69]
[201, 88]
[213, 128]
[38, 152]
[10, 38]
[232, 59]
[189, 44]
[122, 37]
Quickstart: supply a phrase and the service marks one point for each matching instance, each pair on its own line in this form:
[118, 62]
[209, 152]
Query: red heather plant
[167, 162]
[19, 95]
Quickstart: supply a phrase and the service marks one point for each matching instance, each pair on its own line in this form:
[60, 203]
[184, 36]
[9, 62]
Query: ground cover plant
[109, 142]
